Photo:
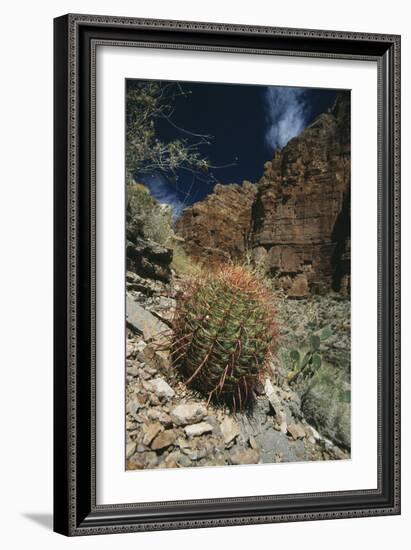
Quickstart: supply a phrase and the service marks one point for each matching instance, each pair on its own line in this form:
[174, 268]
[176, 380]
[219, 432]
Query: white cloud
[164, 192]
[286, 113]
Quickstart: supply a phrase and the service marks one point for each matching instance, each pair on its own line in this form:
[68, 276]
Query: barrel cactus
[224, 333]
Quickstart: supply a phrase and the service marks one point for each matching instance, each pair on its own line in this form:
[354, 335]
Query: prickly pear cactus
[223, 335]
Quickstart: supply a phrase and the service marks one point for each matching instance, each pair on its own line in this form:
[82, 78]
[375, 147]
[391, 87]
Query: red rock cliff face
[301, 213]
[295, 221]
[218, 228]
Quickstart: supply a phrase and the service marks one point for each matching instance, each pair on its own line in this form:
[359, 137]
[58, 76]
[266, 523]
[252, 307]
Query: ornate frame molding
[76, 40]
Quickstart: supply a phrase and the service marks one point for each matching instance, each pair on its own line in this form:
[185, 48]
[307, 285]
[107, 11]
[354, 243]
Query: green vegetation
[325, 401]
[224, 332]
[311, 361]
[323, 384]
[146, 218]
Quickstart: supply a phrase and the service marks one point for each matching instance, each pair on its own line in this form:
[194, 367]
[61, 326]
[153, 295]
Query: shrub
[224, 334]
[146, 218]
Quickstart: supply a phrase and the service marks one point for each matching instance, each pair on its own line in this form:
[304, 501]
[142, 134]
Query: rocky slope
[168, 426]
[295, 221]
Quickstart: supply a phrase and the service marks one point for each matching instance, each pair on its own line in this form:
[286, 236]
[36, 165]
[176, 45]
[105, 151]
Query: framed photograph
[227, 278]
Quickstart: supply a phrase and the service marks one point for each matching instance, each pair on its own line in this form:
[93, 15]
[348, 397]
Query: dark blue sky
[247, 124]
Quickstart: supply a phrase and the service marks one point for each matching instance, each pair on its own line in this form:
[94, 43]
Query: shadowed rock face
[295, 221]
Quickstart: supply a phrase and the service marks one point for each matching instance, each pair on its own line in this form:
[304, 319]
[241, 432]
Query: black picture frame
[75, 40]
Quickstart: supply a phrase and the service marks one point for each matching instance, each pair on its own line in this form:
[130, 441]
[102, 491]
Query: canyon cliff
[295, 221]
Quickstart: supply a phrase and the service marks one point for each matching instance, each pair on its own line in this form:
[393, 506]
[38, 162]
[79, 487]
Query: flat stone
[296, 431]
[161, 388]
[136, 462]
[131, 448]
[243, 456]
[230, 429]
[143, 322]
[271, 444]
[158, 359]
[198, 429]
[184, 461]
[133, 406]
[163, 440]
[133, 370]
[151, 460]
[188, 413]
[151, 432]
[197, 454]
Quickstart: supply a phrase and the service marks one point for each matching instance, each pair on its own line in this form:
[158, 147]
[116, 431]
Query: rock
[280, 417]
[143, 398]
[162, 389]
[130, 424]
[163, 440]
[215, 424]
[243, 456]
[296, 431]
[188, 413]
[133, 370]
[227, 212]
[136, 462]
[195, 455]
[148, 258]
[253, 442]
[133, 406]
[140, 345]
[152, 431]
[158, 359]
[171, 461]
[230, 429]
[283, 427]
[313, 432]
[273, 444]
[131, 448]
[143, 322]
[151, 460]
[198, 429]
[130, 349]
[184, 460]
[153, 414]
[272, 396]
[165, 420]
[154, 400]
[146, 286]
[183, 444]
